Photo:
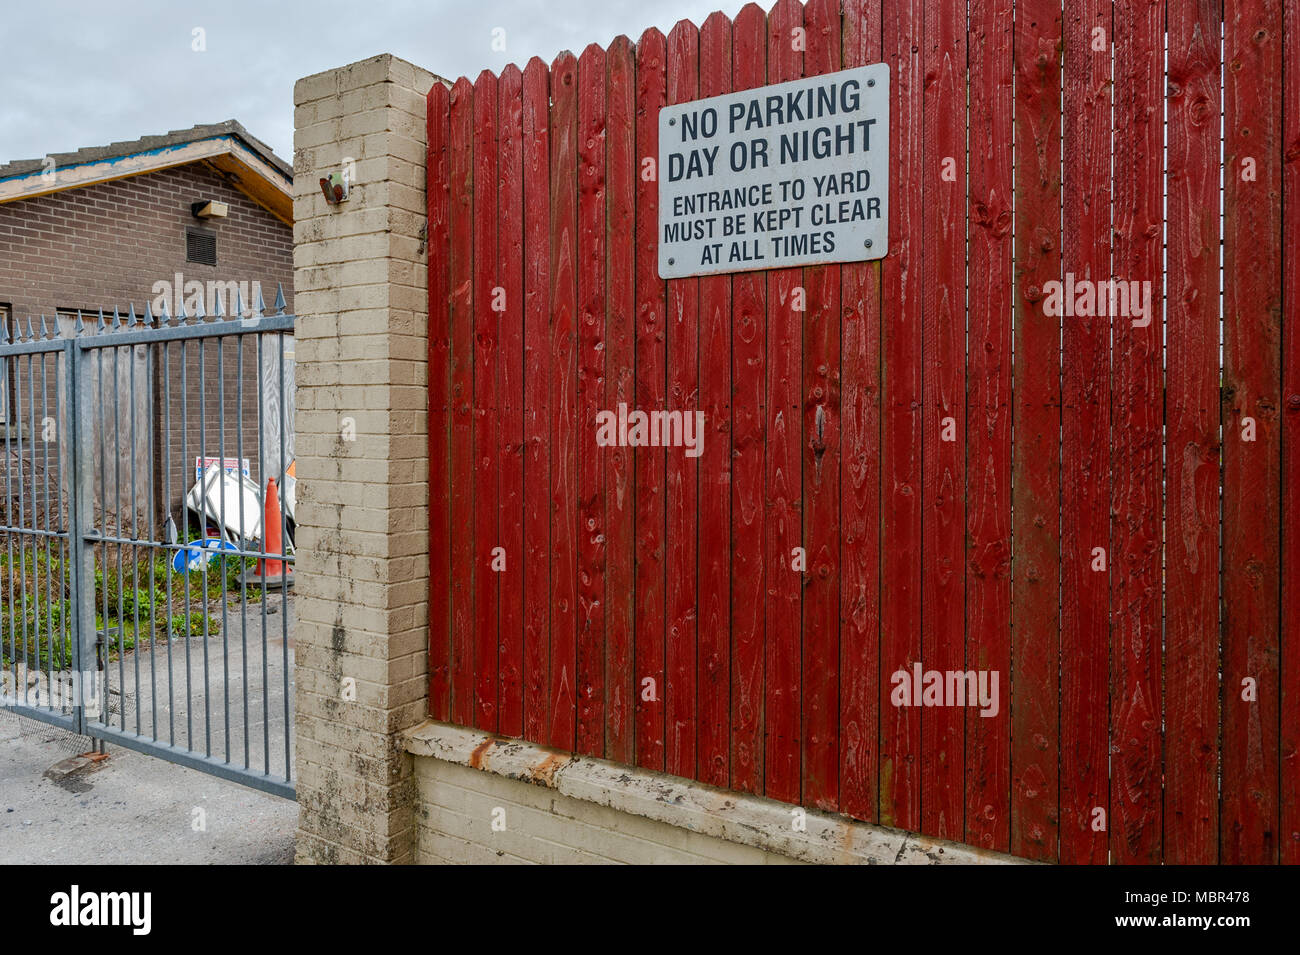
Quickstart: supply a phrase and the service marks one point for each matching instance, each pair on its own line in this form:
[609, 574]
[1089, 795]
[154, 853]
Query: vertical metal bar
[63, 424]
[261, 483]
[223, 567]
[35, 525]
[150, 516]
[103, 520]
[185, 560]
[81, 515]
[21, 525]
[45, 524]
[284, 571]
[117, 519]
[203, 564]
[167, 503]
[243, 561]
[135, 533]
[5, 378]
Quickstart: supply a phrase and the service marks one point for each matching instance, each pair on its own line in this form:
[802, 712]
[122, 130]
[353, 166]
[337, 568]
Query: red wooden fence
[1105, 513]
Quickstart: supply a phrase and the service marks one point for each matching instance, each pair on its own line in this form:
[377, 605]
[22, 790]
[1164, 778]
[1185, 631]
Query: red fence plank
[651, 395]
[714, 645]
[1191, 805]
[988, 414]
[487, 424]
[563, 400]
[748, 363]
[537, 381]
[821, 478]
[683, 471]
[783, 478]
[440, 520]
[859, 661]
[1252, 333]
[1085, 442]
[510, 272]
[1136, 422]
[943, 334]
[620, 333]
[461, 172]
[1035, 527]
[592, 460]
[1289, 768]
[900, 538]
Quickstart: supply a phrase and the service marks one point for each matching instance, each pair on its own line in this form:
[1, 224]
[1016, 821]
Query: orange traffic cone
[270, 571]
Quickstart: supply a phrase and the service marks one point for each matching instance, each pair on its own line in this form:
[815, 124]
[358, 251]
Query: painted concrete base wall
[458, 807]
[485, 800]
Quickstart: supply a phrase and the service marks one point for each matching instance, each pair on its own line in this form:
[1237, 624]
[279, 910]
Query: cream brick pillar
[362, 569]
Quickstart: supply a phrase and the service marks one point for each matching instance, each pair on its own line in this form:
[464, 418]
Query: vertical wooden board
[713, 678]
[1191, 801]
[563, 400]
[1036, 416]
[1135, 796]
[591, 401]
[1251, 390]
[1289, 766]
[900, 535]
[820, 449]
[683, 471]
[621, 170]
[748, 374]
[988, 417]
[537, 381]
[943, 386]
[651, 389]
[439, 202]
[461, 164]
[486, 428]
[782, 477]
[860, 488]
[1085, 440]
[510, 269]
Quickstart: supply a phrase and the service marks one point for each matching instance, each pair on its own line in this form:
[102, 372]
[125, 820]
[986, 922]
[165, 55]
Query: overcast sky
[87, 74]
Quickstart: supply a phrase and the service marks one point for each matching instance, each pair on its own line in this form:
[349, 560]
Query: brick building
[123, 225]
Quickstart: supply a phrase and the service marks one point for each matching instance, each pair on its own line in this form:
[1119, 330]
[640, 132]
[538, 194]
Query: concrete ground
[59, 807]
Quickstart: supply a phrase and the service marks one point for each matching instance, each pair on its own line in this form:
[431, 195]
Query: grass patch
[132, 603]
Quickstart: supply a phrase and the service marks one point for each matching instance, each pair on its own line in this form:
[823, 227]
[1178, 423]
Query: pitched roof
[258, 172]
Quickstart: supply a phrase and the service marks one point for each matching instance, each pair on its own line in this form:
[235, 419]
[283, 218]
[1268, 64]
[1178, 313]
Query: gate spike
[31, 332]
[45, 329]
[80, 326]
[134, 319]
[148, 314]
[101, 320]
[181, 316]
[117, 319]
[259, 303]
[279, 299]
[220, 310]
[238, 310]
[4, 333]
[163, 317]
[199, 313]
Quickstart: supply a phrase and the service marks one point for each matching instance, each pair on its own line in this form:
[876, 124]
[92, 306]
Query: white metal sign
[791, 174]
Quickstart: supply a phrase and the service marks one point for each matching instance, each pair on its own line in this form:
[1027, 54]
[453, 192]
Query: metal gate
[142, 601]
